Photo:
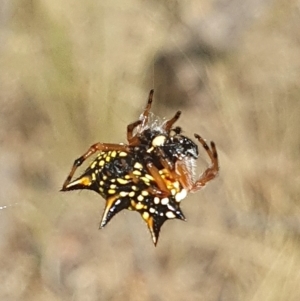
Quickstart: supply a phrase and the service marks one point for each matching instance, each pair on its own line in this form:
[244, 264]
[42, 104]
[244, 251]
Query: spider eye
[159, 140]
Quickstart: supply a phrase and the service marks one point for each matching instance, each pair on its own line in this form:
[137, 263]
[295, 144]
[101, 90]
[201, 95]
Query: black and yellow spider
[151, 174]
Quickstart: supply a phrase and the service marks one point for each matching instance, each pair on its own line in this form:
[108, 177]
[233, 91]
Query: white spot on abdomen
[180, 195]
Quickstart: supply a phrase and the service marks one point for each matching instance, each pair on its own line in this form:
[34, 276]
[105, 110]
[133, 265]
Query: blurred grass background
[73, 73]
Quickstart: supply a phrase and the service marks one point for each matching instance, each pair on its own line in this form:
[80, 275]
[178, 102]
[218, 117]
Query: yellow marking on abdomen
[138, 165]
[122, 181]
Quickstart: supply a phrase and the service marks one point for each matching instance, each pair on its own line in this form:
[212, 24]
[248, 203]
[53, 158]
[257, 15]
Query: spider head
[180, 147]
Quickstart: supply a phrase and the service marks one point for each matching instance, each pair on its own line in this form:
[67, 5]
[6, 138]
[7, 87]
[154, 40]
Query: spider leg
[185, 178]
[132, 139]
[169, 123]
[93, 149]
[178, 171]
[144, 116]
[164, 160]
[212, 171]
[152, 189]
[162, 190]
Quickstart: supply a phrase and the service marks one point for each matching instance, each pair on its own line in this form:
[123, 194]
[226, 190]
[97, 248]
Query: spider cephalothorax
[151, 174]
[179, 147]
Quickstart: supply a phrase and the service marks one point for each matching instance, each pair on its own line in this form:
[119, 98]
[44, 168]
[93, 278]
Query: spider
[151, 174]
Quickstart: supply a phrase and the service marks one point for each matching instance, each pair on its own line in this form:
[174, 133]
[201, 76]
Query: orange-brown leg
[162, 190]
[184, 176]
[93, 149]
[133, 140]
[145, 114]
[169, 123]
[212, 171]
[165, 162]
